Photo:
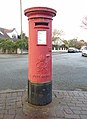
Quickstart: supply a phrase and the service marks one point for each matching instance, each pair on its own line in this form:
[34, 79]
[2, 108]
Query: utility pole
[21, 17]
[21, 24]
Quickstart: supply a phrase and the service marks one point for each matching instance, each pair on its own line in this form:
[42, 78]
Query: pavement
[4, 56]
[59, 51]
[64, 105]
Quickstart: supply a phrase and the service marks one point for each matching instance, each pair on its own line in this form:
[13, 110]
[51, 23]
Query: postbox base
[39, 93]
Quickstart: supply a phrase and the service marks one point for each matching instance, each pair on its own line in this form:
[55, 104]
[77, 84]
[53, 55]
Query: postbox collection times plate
[41, 37]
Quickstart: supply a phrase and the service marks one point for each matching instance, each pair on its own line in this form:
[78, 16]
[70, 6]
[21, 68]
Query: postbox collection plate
[41, 37]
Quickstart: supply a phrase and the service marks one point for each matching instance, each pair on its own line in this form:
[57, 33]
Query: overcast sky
[69, 15]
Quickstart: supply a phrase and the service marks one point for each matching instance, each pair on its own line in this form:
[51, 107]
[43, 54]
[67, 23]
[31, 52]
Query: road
[69, 71]
[13, 72]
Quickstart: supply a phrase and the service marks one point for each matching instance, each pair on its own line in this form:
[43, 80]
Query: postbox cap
[44, 12]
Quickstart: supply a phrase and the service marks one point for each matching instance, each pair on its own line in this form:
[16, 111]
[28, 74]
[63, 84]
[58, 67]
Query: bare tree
[56, 35]
[84, 23]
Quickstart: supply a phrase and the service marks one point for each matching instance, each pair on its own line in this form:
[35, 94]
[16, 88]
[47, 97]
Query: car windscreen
[85, 48]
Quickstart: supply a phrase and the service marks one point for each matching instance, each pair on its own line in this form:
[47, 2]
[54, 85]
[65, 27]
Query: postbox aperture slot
[41, 37]
[41, 23]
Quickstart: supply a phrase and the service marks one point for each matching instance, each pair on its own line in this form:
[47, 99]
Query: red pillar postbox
[40, 54]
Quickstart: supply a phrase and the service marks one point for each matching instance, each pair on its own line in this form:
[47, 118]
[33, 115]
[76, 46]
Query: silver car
[84, 51]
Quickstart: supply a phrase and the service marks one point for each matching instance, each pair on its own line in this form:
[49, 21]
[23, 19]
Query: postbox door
[41, 54]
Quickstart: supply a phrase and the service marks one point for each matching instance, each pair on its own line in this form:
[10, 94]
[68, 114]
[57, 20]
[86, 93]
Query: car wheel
[82, 55]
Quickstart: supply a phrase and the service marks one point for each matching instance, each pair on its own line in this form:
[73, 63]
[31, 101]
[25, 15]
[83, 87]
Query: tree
[84, 23]
[66, 43]
[3, 45]
[82, 43]
[7, 45]
[72, 42]
[22, 44]
[56, 35]
[10, 46]
[75, 43]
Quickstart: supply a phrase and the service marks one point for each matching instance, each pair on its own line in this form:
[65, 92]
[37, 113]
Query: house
[8, 33]
[58, 44]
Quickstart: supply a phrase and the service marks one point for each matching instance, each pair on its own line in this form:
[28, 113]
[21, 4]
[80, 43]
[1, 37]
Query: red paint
[40, 51]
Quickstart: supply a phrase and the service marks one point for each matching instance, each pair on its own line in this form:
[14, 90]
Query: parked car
[72, 50]
[82, 48]
[84, 51]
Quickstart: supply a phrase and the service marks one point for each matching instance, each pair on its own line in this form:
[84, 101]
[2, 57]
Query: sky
[68, 18]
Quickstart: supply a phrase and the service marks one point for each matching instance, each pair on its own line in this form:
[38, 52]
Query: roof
[4, 32]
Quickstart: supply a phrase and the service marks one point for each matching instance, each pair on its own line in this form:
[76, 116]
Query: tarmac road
[69, 71]
[13, 71]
